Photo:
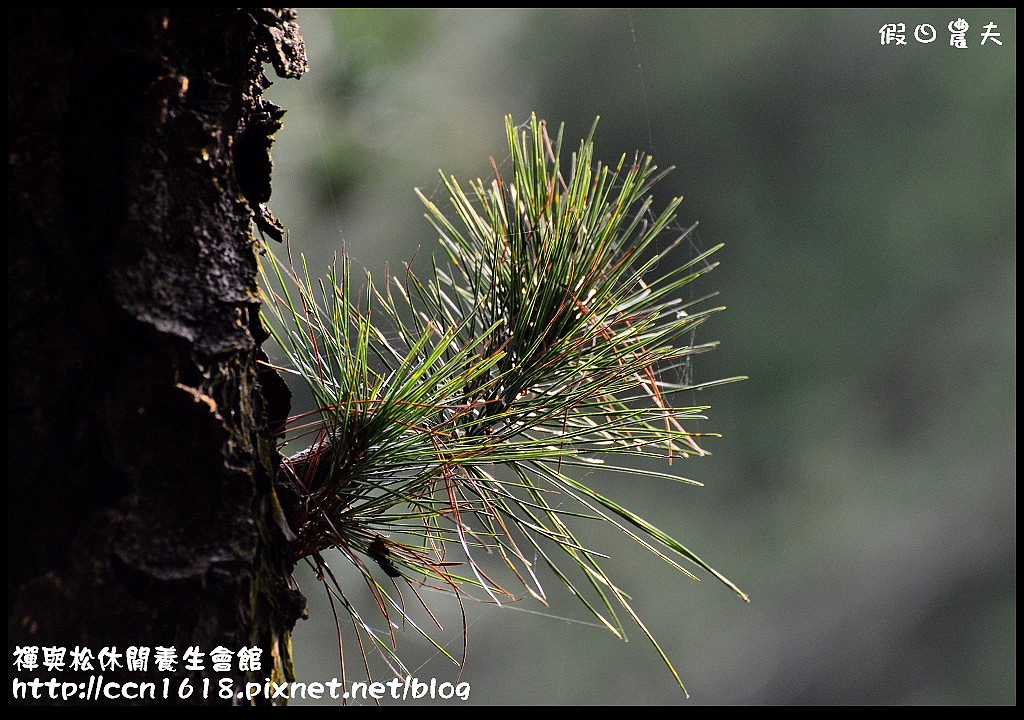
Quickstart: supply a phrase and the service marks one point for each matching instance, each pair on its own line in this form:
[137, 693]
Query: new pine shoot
[459, 409]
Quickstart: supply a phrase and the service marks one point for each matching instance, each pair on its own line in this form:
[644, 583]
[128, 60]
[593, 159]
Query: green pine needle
[453, 409]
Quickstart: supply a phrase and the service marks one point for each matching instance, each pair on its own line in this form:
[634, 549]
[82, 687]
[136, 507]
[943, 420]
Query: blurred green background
[864, 494]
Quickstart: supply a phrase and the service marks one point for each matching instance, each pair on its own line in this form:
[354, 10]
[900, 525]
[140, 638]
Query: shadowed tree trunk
[141, 505]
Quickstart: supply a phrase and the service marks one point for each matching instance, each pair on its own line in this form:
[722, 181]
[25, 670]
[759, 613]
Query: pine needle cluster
[458, 409]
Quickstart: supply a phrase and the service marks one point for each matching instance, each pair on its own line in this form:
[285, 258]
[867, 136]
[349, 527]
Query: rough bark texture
[141, 506]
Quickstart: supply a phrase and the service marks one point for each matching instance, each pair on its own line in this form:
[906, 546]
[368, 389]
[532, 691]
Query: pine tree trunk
[141, 505]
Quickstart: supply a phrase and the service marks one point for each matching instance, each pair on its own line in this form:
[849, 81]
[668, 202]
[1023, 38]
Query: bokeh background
[864, 494]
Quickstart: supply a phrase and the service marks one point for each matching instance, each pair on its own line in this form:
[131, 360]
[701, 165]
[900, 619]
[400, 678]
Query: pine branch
[453, 409]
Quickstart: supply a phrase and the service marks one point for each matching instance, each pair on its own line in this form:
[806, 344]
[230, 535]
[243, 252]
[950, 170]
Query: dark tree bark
[141, 505]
